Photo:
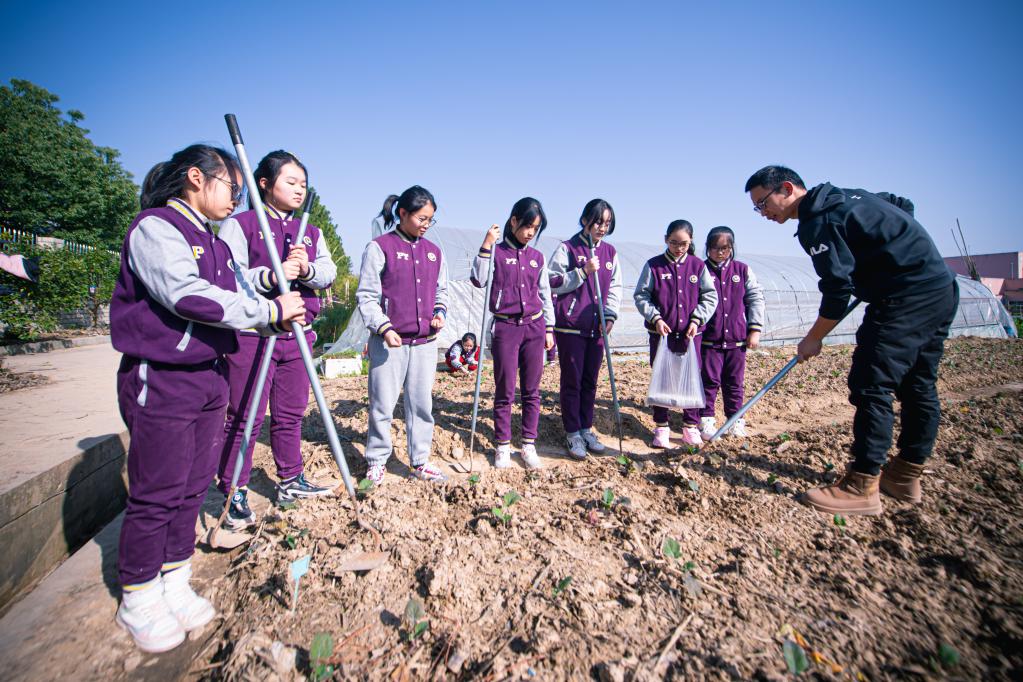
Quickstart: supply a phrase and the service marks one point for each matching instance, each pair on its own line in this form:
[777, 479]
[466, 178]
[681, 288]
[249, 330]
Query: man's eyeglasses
[236, 189]
[759, 205]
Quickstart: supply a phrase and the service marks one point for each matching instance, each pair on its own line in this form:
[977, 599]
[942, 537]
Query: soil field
[689, 565]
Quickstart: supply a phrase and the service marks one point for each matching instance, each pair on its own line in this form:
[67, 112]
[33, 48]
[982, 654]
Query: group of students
[193, 306]
[714, 308]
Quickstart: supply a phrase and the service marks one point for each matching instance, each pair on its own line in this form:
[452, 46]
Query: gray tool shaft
[770, 384]
[482, 345]
[607, 349]
[282, 285]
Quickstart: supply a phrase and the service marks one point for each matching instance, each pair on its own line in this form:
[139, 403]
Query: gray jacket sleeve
[441, 304]
[455, 356]
[643, 295]
[368, 295]
[545, 297]
[708, 301]
[230, 232]
[163, 260]
[564, 276]
[481, 268]
[614, 294]
[755, 302]
[322, 271]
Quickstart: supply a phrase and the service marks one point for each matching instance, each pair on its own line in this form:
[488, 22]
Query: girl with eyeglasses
[178, 300]
[734, 328]
[676, 297]
[574, 265]
[402, 297]
[282, 180]
[523, 326]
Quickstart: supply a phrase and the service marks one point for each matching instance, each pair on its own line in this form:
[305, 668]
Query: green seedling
[626, 462]
[504, 513]
[947, 656]
[771, 479]
[688, 566]
[415, 619]
[562, 585]
[607, 499]
[777, 552]
[671, 548]
[474, 479]
[694, 486]
[828, 466]
[999, 431]
[364, 488]
[287, 506]
[784, 437]
[1020, 463]
[795, 657]
[320, 651]
[291, 540]
[839, 520]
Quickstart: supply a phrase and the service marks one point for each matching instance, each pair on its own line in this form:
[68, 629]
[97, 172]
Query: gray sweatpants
[391, 369]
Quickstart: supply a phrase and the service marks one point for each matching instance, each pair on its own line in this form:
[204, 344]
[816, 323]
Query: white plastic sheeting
[790, 289]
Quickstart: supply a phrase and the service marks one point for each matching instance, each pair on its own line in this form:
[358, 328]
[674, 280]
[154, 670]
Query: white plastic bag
[675, 380]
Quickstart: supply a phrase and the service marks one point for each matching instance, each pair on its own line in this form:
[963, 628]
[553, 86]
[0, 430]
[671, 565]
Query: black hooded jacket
[863, 244]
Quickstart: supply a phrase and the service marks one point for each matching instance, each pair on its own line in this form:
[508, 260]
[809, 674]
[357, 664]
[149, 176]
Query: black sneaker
[239, 515]
[297, 488]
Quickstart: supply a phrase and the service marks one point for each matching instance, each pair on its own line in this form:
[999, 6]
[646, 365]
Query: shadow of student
[95, 493]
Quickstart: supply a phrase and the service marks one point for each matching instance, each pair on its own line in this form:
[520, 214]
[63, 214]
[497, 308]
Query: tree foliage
[55, 181]
[321, 218]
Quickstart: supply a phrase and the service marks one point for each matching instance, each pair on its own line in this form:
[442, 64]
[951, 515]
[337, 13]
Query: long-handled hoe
[368, 560]
[479, 365]
[770, 383]
[607, 352]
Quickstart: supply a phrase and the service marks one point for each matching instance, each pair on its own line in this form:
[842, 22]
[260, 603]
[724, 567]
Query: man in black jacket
[869, 246]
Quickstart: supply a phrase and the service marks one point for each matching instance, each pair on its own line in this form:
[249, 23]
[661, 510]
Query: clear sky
[663, 109]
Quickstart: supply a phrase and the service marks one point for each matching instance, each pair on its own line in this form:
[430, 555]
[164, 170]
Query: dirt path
[570, 587]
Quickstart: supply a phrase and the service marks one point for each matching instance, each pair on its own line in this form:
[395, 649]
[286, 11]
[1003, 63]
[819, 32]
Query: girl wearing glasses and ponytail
[178, 300]
[282, 184]
[402, 297]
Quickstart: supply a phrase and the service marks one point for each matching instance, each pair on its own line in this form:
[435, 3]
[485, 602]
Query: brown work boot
[853, 494]
[901, 480]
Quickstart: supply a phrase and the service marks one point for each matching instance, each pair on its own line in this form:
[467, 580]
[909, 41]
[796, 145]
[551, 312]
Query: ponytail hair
[593, 212]
[685, 226]
[167, 179]
[414, 198]
[715, 234]
[388, 211]
[269, 169]
[526, 210]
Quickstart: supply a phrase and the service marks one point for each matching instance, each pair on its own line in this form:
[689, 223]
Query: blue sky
[663, 109]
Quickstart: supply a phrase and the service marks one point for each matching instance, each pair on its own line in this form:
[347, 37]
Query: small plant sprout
[474, 479]
[415, 619]
[291, 539]
[671, 548]
[607, 499]
[828, 466]
[627, 463]
[504, 513]
[839, 520]
[784, 437]
[320, 651]
[771, 479]
[364, 488]
[287, 506]
[562, 585]
[947, 656]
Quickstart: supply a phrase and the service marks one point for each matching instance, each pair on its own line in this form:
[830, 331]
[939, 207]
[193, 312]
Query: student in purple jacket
[520, 299]
[734, 328]
[178, 300]
[402, 297]
[282, 181]
[577, 318]
[676, 297]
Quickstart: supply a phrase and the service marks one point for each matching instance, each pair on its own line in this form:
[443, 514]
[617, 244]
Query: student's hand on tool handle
[591, 266]
[662, 328]
[493, 234]
[437, 322]
[548, 341]
[607, 326]
[291, 270]
[292, 308]
[753, 340]
[392, 339]
[691, 330]
[808, 348]
[299, 254]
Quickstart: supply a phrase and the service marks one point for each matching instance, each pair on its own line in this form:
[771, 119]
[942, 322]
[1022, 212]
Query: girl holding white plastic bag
[676, 297]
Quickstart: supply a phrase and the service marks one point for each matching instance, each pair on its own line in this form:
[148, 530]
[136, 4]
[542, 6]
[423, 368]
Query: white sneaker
[148, 618]
[592, 444]
[502, 456]
[191, 610]
[576, 446]
[529, 456]
[738, 429]
[375, 473]
[708, 427]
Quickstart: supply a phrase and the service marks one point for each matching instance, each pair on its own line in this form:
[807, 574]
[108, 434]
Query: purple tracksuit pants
[690, 417]
[579, 358]
[517, 350]
[175, 418]
[723, 368]
[287, 391]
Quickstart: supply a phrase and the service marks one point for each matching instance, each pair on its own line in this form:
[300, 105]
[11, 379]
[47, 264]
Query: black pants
[898, 348]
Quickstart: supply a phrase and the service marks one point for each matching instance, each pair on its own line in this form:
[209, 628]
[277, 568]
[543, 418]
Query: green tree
[320, 217]
[334, 317]
[55, 180]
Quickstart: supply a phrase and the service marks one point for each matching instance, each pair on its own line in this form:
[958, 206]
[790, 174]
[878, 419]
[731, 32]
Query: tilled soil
[579, 582]
[13, 381]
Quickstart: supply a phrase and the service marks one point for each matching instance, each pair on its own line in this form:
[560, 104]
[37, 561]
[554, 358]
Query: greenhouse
[790, 289]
